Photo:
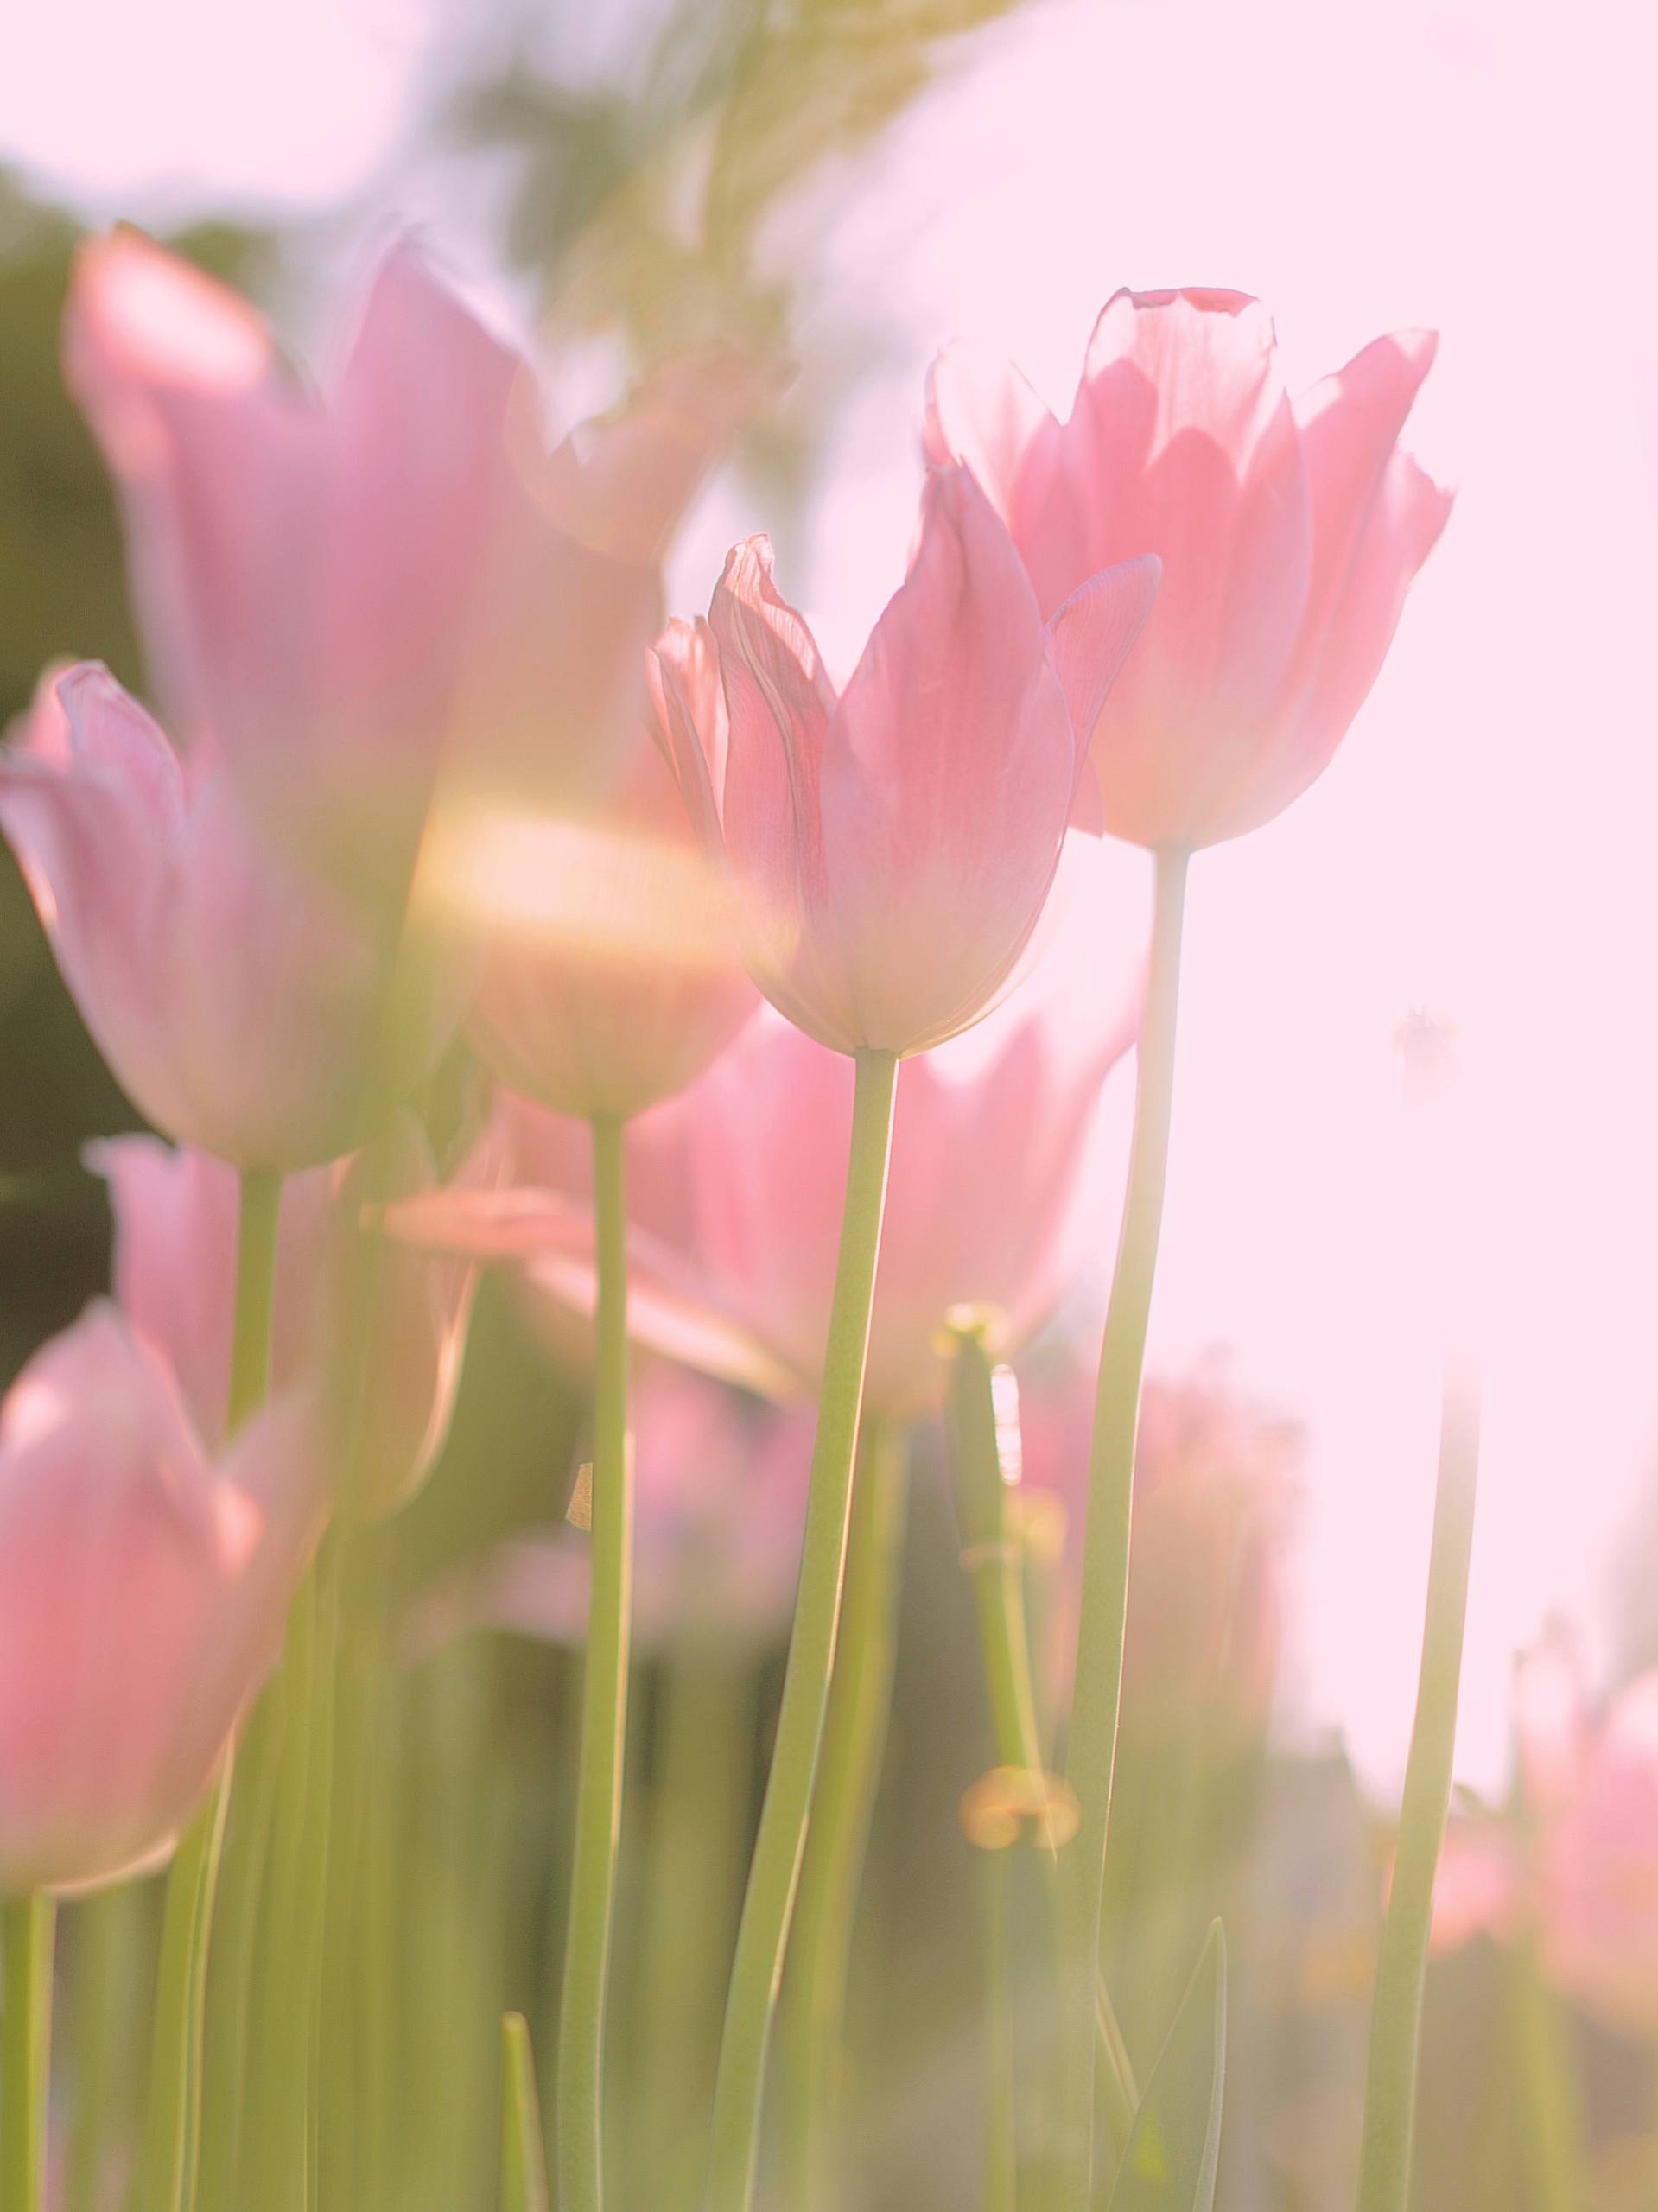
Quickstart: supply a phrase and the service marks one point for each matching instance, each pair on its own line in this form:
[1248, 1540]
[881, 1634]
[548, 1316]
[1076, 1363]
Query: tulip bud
[143, 1584]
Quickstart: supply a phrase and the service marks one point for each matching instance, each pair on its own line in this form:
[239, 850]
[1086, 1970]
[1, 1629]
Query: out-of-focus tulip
[1213, 1476]
[343, 587]
[1598, 1872]
[1573, 1863]
[719, 1502]
[176, 1216]
[239, 1001]
[892, 848]
[610, 979]
[1288, 532]
[144, 1583]
[736, 1185]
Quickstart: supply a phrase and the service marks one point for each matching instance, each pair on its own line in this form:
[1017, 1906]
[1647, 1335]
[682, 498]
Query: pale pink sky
[1481, 846]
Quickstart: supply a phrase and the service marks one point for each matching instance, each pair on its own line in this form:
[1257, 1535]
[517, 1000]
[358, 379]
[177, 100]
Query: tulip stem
[256, 1294]
[774, 1871]
[579, 2115]
[1402, 1962]
[1546, 2065]
[699, 1831]
[992, 1556]
[1091, 1755]
[173, 2123]
[854, 1746]
[27, 1929]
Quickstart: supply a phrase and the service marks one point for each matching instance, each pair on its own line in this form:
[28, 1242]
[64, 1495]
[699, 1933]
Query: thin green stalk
[272, 2163]
[1002, 2113]
[993, 1561]
[110, 1969]
[1549, 2102]
[843, 1805]
[698, 1828]
[1402, 1963]
[310, 1932]
[774, 1871]
[256, 1294]
[231, 1987]
[171, 2154]
[1091, 1755]
[523, 2174]
[578, 2110]
[27, 1926]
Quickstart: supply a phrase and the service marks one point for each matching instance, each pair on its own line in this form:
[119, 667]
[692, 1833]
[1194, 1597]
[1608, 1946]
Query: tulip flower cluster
[787, 1008]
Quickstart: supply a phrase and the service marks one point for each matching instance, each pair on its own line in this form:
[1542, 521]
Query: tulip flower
[1289, 533]
[174, 1269]
[852, 825]
[342, 587]
[1288, 536]
[609, 980]
[735, 1186]
[239, 1000]
[1574, 1868]
[1206, 1600]
[144, 1583]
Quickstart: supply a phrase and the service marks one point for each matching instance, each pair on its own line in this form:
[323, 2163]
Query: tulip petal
[1189, 448]
[1350, 424]
[951, 761]
[1404, 524]
[1094, 632]
[682, 670]
[141, 322]
[779, 702]
[981, 412]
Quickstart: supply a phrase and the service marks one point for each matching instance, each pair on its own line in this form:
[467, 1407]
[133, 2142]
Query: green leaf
[523, 2166]
[1174, 2145]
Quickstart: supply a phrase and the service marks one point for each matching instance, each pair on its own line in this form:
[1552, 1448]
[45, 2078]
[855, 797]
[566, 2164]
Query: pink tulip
[1212, 1487]
[892, 848]
[343, 587]
[735, 1186]
[239, 1001]
[1487, 1882]
[1574, 1863]
[1288, 533]
[176, 1215]
[613, 983]
[719, 1502]
[1597, 1873]
[143, 1584]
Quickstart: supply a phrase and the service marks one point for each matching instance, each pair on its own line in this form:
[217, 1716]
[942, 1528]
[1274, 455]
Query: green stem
[578, 2115]
[1091, 1756]
[310, 1932]
[272, 2154]
[1001, 2111]
[27, 1926]
[523, 2175]
[1402, 1963]
[993, 1561]
[854, 1746]
[1546, 2065]
[699, 1828]
[774, 1871]
[173, 2127]
[109, 1968]
[256, 1294]
[231, 1991]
